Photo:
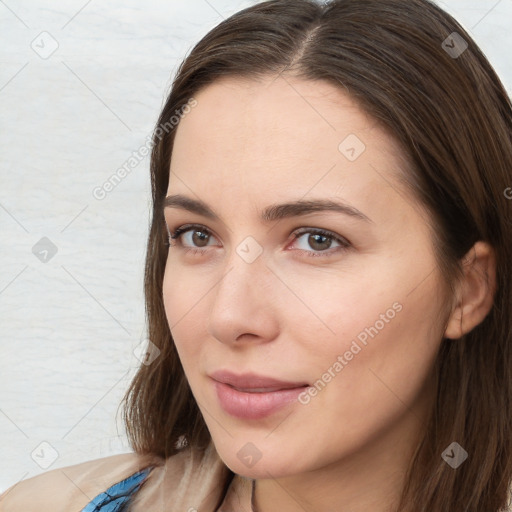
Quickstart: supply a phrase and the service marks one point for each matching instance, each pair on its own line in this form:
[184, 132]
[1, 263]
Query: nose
[244, 306]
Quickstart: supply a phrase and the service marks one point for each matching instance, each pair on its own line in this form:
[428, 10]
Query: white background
[69, 326]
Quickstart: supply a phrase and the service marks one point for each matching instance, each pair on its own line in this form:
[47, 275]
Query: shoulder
[192, 479]
[71, 488]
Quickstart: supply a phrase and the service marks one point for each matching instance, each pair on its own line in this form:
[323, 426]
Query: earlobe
[475, 292]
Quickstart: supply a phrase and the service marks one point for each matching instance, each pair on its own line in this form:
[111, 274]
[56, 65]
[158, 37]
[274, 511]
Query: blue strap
[115, 498]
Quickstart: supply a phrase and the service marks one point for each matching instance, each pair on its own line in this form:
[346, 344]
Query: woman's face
[354, 312]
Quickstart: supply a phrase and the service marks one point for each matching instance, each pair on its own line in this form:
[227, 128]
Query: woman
[327, 277]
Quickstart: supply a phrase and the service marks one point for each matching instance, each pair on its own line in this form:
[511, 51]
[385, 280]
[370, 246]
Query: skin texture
[247, 145]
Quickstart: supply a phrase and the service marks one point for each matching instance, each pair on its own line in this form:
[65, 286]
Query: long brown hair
[445, 105]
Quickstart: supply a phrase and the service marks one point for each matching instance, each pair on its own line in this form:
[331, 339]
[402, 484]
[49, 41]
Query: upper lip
[254, 381]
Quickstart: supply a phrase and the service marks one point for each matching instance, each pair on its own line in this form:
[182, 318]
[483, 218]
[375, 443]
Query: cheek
[341, 312]
[183, 308]
[379, 319]
[381, 354]
[184, 290]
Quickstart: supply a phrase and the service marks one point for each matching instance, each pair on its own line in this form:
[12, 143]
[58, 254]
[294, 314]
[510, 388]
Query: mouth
[252, 397]
[259, 390]
[252, 382]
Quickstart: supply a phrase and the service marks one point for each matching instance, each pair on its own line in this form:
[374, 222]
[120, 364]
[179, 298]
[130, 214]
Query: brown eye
[319, 241]
[200, 238]
[191, 236]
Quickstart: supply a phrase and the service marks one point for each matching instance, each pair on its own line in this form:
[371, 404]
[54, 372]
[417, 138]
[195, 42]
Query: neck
[372, 478]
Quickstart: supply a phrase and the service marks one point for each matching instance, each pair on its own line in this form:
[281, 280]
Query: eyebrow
[271, 213]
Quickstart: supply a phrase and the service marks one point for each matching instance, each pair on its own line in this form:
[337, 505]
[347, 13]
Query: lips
[254, 383]
[251, 396]
[256, 390]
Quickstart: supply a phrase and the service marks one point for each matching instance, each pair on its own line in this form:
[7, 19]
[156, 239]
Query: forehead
[274, 116]
[281, 138]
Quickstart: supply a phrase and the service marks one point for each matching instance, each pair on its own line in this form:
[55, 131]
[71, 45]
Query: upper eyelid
[187, 227]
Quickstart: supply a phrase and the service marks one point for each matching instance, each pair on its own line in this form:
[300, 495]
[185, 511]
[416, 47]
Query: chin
[248, 460]
[261, 470]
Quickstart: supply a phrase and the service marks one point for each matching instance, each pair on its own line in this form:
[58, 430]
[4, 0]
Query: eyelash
[176, 235]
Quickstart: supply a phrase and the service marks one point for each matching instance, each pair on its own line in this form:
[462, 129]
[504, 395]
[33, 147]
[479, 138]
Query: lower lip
[253, 406]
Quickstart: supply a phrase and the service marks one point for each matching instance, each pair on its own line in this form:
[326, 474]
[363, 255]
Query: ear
[475, 292]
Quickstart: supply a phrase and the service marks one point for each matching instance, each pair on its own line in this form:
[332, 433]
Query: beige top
[187, 481]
